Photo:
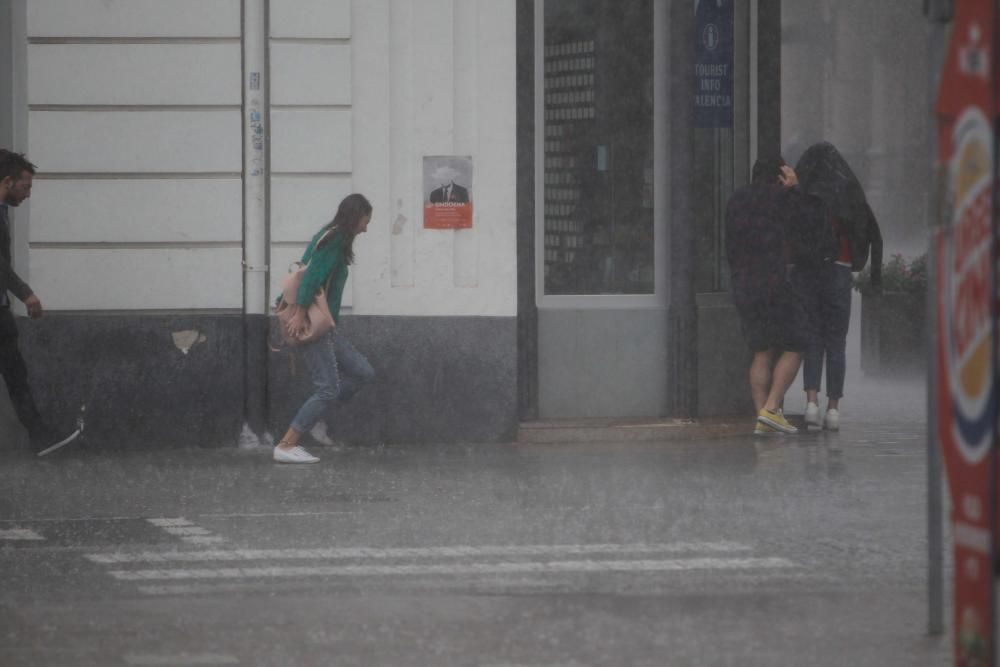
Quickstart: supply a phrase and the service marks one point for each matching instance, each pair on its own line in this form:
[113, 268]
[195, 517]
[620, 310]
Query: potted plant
[893, 318]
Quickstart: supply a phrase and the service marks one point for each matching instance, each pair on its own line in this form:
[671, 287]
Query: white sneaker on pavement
[812, 415]
[832, 420]
[320, 434]
[294, 455]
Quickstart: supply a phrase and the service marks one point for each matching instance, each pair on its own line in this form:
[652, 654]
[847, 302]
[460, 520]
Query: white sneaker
[812, 415]
[293, 455]
[832, 420]
[320, 435]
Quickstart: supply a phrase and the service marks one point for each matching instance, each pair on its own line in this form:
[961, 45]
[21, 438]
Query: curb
[604, 430]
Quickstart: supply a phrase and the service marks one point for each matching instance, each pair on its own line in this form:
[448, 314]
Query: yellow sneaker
[760, 428]
[775, 420]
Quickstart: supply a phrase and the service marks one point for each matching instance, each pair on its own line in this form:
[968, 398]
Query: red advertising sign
[966, 354]
[448, 215]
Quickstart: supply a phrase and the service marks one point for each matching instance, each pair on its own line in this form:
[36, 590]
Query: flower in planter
[898, 275]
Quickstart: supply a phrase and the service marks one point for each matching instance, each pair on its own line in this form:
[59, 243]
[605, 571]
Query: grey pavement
[804, 550]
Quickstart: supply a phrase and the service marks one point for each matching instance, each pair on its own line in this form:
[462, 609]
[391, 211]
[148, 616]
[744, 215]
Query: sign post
[965, 364]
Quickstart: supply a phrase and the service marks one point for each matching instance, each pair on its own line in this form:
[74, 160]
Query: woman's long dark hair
[824, 173]
[350, 212]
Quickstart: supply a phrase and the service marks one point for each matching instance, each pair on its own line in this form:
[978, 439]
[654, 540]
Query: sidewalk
[732, 550]
[880, 401]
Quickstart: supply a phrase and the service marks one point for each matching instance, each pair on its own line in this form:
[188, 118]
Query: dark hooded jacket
[824, 173]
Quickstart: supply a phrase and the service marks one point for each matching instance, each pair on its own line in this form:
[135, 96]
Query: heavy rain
[506, 333]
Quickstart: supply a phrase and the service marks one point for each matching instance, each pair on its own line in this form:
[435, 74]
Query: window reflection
[598, 216]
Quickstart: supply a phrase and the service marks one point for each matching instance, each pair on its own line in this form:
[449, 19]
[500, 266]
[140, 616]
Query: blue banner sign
[713, 64]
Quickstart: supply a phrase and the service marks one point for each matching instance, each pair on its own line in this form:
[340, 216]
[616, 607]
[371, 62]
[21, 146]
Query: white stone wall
[311, 123]
[134, 122]
[414, 78]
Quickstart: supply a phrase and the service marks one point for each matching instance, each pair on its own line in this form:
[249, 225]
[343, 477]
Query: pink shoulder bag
[319, 320]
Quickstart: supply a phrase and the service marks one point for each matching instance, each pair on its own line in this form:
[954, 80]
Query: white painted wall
[137, 137]
[133, 18]
[134, 122]
[311, 124]
[435, 77]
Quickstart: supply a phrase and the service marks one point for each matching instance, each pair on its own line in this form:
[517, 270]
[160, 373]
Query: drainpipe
[256, 138]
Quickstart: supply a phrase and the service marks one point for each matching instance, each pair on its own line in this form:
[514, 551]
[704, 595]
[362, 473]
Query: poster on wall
[713, 64]
[447, 192]
[966, 346]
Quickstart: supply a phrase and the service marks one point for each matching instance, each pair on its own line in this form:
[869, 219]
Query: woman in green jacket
[338, 370]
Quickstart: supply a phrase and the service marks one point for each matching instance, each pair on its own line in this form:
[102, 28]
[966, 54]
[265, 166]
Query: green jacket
[325, 266]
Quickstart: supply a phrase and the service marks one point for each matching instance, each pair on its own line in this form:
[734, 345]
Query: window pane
[598, 216]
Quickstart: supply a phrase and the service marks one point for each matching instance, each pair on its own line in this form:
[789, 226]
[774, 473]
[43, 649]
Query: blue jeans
[827, 292]
[338, 372]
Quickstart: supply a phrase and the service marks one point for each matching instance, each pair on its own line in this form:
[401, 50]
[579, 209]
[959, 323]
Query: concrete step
[631, 430]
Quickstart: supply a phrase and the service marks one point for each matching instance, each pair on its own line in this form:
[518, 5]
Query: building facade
[188, 149]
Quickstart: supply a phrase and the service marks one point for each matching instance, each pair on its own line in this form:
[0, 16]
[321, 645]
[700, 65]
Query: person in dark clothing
[827, 179]
[16, 175]
[758, 217]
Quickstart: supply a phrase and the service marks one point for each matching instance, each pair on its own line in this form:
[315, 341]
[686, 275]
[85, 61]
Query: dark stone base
[446, 379]
[137, 386]
[723, 359]
[437, 379]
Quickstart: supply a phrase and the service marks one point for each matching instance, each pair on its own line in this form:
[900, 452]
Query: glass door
[600, 84]
[596, 73]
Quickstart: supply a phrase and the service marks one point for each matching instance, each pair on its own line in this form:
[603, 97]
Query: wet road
[786, 551]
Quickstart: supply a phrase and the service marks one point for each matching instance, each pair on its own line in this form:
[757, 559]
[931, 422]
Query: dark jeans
[15, 374]
[827, 294]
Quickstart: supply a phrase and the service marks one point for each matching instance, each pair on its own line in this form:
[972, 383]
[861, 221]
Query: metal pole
[255, 201]
[935, 474]
[935, 510]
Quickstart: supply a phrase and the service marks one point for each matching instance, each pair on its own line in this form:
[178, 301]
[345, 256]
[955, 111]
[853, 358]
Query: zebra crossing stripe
[204, 539]
[553, 567]
[367, 553]
[169, 522]
[19, 534]
[185, 530]
[147, 660]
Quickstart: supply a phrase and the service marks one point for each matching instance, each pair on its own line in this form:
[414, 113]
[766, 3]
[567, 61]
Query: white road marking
[244, 515]
[166, 523]
[19, 534]
[417, 552]
[554, 567]
[181, 659]
[186, 530]
[59, 519]
[205, 539]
